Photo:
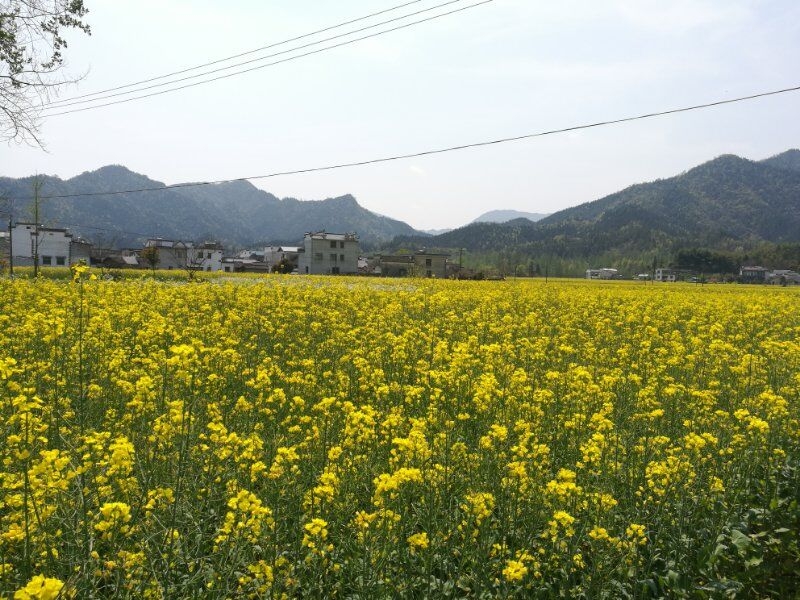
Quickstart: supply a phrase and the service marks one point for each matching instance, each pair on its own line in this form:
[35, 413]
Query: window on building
[61, 260]
[318, 256]
[47, 260]
[427, 262]
[429, 274]
[341, 258]
[333, 244]
[341, 244]
[333, 257]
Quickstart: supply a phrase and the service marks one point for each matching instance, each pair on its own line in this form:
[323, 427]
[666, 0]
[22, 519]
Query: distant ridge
[728, 203]
[236, 213]
[503, 216]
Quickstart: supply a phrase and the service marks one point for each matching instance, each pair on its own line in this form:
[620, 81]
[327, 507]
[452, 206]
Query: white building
[783, 277]
[205, 257]
[274, 255]
[55, 247]
[666, 275]
[604, 273]
[329, 254]
[185, 255]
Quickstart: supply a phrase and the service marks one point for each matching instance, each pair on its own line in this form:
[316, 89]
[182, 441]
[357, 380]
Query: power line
[438, 150]
[234, 56]
[277, 62]
[75, 101]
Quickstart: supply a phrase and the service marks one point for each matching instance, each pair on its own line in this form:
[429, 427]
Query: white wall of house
[205, 258]
[329, 254]
[603, 273]
[54, 248]
[666, 275]
[173, 255]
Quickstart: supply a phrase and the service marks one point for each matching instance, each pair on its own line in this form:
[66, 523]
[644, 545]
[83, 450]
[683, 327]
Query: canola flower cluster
[331, 437]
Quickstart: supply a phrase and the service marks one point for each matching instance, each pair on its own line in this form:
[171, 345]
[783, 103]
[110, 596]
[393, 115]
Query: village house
[753, 274]
[669, 275]
[329, 254]
[206, 257]
[173, 254]
[168, 254]
[783, 277]
[282, 255]
[602, 273]
[55, 247]
[418, 264]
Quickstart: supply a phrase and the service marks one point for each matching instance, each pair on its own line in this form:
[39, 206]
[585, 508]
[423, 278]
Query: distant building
[419, 264]
[286, 255]
[4, 249]
[603, 273]
[174, 254]
[668, 275]
[55, 247]
[329, 254]
[205, 257]
[753, 274]
[783, 277]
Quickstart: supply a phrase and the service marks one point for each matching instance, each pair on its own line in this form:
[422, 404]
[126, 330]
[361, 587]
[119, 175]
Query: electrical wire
[438, 150]
[277, 62]
[234, 56]
[76, 102]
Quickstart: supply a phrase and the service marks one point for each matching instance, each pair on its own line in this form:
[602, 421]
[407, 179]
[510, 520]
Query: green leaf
[741, 540]
[753, 562]
[781, 530]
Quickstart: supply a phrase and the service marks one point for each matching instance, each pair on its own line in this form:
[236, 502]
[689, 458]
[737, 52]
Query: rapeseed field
[282, 437]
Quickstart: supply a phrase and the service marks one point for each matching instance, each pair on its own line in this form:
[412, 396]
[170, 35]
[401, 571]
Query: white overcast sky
[502, 69]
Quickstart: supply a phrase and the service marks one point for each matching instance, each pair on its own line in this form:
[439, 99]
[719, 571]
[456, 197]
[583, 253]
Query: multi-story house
[602, 273]
[173, 254]
[329, 254]
[419, 264]
[54, 247]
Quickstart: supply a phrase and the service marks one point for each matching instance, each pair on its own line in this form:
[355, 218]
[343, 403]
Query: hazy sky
[505, 68]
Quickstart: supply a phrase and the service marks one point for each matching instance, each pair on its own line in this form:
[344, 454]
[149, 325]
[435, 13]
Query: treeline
[521, 261]
[703, 260]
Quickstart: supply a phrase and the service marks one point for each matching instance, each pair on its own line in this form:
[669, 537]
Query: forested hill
[236, 213]
[726, 203]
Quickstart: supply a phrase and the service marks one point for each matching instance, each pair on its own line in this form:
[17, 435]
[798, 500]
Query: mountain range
[726, 204]
[235, 213]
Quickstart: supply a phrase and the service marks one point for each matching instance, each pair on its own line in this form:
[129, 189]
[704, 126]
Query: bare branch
[31, 60]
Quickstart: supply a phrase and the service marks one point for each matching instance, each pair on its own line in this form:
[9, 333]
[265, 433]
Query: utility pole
[10, 215]
[10, 253]
[37, 185]
[653, 278]
[10, 241]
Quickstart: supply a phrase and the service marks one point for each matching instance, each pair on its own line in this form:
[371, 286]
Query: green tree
[151, 257]
[31, 59]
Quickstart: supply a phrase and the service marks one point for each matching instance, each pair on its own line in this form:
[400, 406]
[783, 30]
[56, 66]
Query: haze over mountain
[503, 216]
[236, 213]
